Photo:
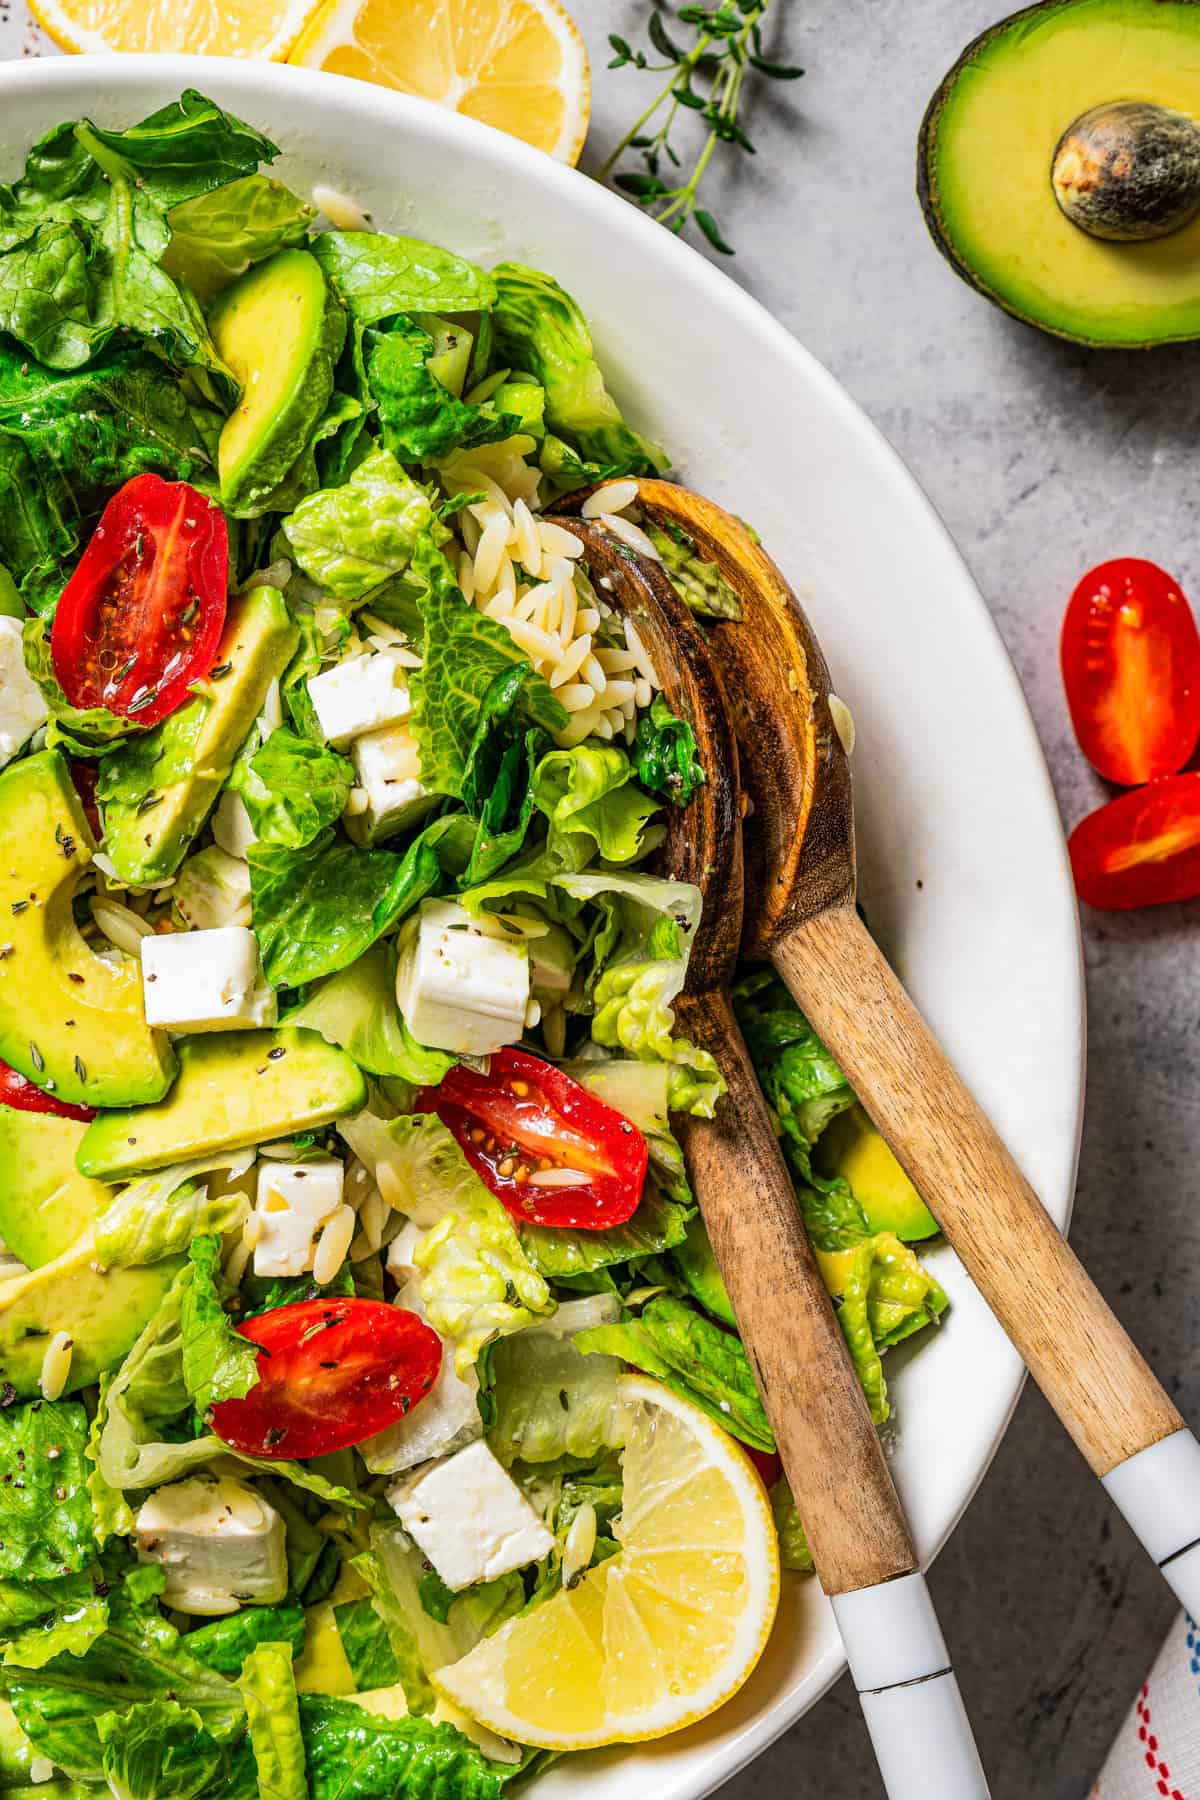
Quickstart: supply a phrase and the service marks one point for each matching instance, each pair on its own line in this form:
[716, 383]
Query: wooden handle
[830, 1449]
[1074, 1346]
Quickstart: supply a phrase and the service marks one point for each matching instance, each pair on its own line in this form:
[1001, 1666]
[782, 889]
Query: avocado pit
[1128, 171]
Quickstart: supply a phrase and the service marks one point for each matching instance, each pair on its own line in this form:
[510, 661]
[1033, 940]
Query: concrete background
[1043, 460]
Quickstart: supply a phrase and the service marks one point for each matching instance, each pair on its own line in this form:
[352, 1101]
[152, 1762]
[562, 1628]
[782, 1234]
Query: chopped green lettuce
[379, 276]
[591, 790]
[46, 1526]
[706, 1364]
[292, 788]
[699, 584]
[355, 1755]
[561, 1254]
[540, 328]
[464, 653]
[352, 538]
[633, 1013]
[159, 1215]
[218, 1363]
[855, 1320]
[268, 1688]
[421, 420]
[794, 1552]
[212, 889]
[666, 757]
[476, 1280]
[39, 1620]
[318, 909]
[216, 237]
[357, 1009]
[550, 1400]
[224, 1644]
[158, 1750]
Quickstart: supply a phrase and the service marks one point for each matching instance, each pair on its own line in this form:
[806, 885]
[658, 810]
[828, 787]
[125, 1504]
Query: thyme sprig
[706, 78]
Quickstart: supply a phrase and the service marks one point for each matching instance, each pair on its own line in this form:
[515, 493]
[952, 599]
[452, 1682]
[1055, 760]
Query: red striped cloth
[1156, 1755]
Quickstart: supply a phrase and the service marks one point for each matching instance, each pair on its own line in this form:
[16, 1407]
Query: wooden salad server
[829, 1447]
[801, 880]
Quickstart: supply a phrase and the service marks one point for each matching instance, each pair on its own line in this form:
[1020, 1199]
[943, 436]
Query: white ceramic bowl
[964, 872]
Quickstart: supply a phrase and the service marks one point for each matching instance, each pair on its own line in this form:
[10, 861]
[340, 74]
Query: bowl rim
[94, 78]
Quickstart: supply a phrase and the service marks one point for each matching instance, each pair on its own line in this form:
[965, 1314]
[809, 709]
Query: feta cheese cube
[206, 981]
[294, 1200]
[231, 825]
[448, 1416]
[360, 694]
[458, 988]
[388, 764]
[219, 1542]
[22, 706]
[470, 1518]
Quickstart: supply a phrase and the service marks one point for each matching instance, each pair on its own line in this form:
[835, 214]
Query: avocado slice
[280, 328]
[68, 1020]
[851, 1147]
[234, 1088]
[103, 1310]
[157, 790]
[989, 141]
[45, 1203]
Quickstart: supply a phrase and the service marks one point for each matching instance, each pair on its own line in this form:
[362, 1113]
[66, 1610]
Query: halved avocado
[280, 328]
[851, 1147]
[157, 790]
[46, 1205]
[68, 1020]
[989, 142]
[101, 1310]
[234, 1088]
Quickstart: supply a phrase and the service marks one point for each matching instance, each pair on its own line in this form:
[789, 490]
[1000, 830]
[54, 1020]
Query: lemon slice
[263, 28]
[517, 64]
[660, 1634]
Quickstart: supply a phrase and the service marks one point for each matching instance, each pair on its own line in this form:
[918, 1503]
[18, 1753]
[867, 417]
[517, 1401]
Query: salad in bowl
[372, 1412]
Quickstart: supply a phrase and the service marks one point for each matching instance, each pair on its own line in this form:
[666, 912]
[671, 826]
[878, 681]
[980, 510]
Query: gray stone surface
[1043, 460]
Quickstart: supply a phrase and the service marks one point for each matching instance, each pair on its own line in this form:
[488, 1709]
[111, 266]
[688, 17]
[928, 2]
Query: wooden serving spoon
[829, 1447]
[801, 881]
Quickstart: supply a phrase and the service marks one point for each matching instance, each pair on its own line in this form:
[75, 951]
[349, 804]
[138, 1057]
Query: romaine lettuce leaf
[674, 1342]
[476, 1280]
[159, 1215]
[39, 1620]
[268, 1688]
[378, 276]
[497, 780]
[591, 790]
[540, 328]
[292, 788]
[903, 1296]
[356, 1008]
[318, 909]
[464, 653]
[350, 539]
[633, 1013]
[855, 1320]
[561, 1254]
[212, 889]
[419, 419]
[46, 1524]
[794, 1552]
[668, 762]
[218, 1363]
[224, 1644]
[187, 147]
[216, 237]
[355, 1755]
[550, 1400]
[138, 1660]
[368, 1647]
[68, 440]
[157, 1750]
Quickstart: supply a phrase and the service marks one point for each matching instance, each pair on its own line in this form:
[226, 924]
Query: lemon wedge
[519, 65]
[262, 28]
[662, 1633]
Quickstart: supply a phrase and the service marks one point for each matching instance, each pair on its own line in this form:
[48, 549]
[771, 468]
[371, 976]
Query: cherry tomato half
[1131, 668]
[525, 1118]
[1142, 848]
[143, 613]
[26, 1096]
[331, 1373]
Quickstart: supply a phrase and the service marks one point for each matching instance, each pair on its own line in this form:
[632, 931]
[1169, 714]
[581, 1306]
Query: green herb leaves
[705, 78]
